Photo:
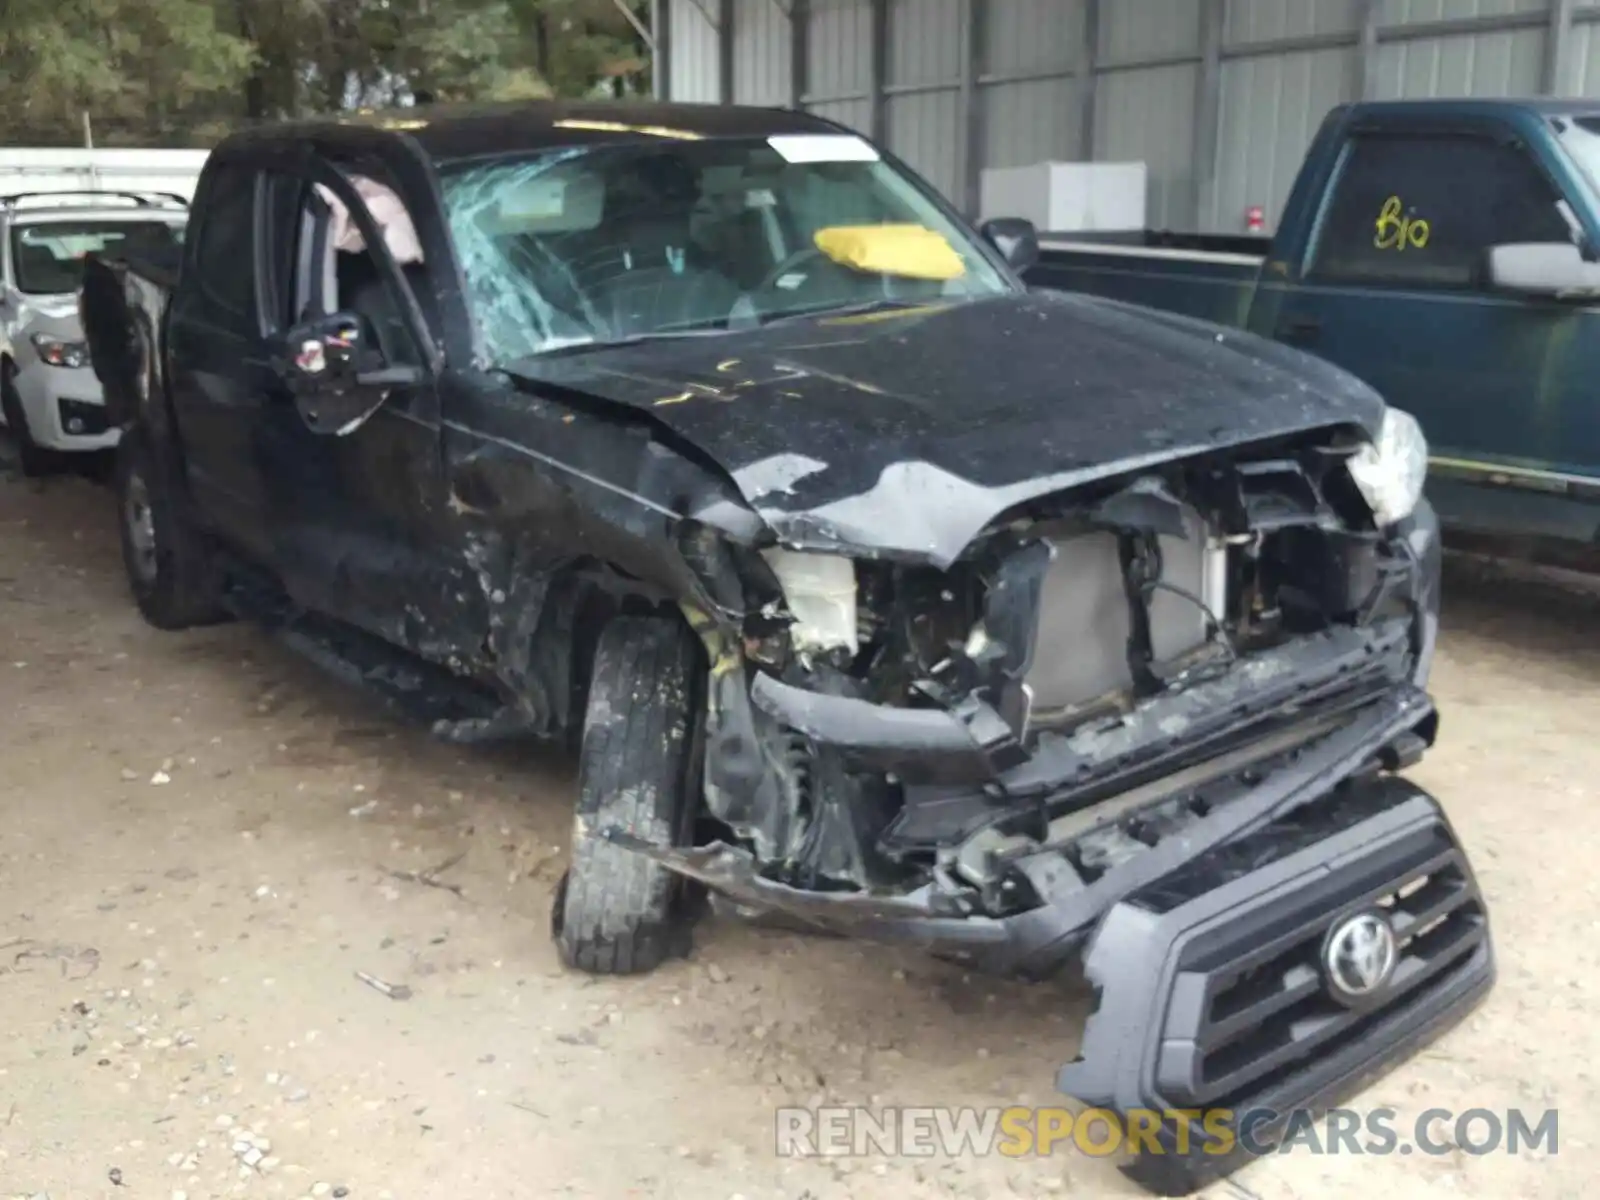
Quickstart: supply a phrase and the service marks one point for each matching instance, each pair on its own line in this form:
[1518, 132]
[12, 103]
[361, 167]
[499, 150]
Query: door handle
[1300, 330]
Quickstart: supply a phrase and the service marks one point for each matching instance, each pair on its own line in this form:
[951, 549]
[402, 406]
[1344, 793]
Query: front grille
[1247, 1014]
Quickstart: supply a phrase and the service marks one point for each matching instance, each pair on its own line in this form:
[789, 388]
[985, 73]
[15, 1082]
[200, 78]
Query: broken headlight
[1389, 471]
[820, 590]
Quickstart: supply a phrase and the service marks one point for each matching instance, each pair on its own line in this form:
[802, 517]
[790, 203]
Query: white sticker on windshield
[534, 199]
[822, 147]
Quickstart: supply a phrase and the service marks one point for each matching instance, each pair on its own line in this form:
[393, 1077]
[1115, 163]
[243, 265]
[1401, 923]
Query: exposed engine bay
[1091, 674]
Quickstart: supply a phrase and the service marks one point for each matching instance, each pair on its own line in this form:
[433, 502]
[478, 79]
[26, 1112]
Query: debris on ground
[430, 877]
[395, 991]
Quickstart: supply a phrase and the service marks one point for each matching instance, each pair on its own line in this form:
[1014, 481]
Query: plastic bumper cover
[50, 396]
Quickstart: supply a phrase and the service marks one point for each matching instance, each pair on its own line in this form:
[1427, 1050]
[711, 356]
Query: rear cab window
[1422, 209]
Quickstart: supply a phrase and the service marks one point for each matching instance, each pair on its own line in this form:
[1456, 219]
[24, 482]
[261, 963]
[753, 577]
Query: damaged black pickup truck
[883, 593]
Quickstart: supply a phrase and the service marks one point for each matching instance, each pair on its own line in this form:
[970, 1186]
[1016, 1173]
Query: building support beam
[799, 52]
[972, 152]
[1557, 48]
[661, 54]
[725, 51]
[1088, 75]
[878, 72]
[1366, 83]
[1208, 106]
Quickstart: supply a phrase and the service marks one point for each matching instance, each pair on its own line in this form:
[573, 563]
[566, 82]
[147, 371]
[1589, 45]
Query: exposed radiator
[1082, 650]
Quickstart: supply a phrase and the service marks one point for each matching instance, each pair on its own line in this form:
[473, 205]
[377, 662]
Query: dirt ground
[200, 848]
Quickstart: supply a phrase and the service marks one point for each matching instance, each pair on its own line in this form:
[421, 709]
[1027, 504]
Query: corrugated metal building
[1218, 97]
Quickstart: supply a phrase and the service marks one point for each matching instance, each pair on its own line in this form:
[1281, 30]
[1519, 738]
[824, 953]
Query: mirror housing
[1552, 270]
[1015, 238]
[336, 373]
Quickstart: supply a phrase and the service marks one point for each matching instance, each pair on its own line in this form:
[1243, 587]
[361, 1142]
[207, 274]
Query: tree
[156, 72]
[140, 64]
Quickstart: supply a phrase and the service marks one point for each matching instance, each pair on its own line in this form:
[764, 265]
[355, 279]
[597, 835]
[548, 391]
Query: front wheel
[170, 565]
[618, 912]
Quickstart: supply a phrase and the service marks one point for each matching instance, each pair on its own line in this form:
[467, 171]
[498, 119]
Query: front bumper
[1382, 722]
[1213, 997]
[53, 398]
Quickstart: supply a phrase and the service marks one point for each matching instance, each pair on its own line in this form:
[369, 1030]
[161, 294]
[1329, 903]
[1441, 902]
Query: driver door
[343, 509]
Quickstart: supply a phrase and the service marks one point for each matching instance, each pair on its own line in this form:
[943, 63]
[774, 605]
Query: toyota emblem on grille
[1360, 956]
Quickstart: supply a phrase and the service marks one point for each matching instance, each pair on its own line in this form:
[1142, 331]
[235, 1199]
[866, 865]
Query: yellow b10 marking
[1396, 231]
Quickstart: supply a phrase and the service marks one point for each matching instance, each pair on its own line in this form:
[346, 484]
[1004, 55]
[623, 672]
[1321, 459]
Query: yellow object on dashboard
[911, 251]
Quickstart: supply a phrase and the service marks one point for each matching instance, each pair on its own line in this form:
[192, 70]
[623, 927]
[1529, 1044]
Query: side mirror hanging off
[337, 377]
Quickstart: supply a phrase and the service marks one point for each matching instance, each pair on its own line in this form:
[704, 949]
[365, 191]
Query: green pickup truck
[1448, 253]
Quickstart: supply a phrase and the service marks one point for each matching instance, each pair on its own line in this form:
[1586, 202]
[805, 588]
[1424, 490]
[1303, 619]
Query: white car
[50, 399]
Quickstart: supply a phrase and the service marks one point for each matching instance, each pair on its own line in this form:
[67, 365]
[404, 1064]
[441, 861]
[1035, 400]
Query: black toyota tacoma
[879, 591]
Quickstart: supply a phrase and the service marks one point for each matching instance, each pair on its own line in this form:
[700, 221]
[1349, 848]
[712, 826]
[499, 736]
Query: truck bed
[1208, 276]
[1136, 240]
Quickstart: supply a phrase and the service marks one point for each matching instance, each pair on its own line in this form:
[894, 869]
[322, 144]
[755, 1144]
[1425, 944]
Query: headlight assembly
[1389, 471]
[58, 353]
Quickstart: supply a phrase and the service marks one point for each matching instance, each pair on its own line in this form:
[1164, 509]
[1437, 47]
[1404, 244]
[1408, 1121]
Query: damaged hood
[903, 432]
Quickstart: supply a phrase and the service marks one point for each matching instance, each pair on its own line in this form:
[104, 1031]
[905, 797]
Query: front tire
[618, 912]
[170, 566]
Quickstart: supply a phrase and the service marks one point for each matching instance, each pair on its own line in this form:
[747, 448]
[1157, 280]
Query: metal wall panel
[1025, 123]
[1031, 120]
[922, 130]
[1481, 64]
[924, 53]
[1271, 107]
[1032, 35]
[1137, 30]
[924, 41]
[1584, 79]
[840, 48]
[1276, 20]
[693, 72]
[760, 53]
[1404, 12]
[1148, 115]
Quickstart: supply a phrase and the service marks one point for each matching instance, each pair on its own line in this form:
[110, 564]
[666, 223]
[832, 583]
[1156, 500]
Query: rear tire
[618, 912]
[171, 569]
[33, 459]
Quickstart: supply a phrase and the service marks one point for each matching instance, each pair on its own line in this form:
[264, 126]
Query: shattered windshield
[586, 246]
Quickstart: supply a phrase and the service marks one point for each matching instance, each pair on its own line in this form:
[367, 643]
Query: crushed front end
[1119, 716]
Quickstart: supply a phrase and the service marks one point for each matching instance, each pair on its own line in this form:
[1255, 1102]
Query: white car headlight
[1390, 470]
